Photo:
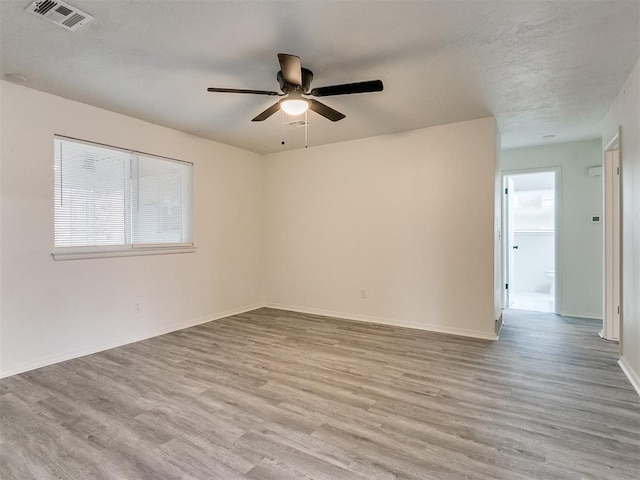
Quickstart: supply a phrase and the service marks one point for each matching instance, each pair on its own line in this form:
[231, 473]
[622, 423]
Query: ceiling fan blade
[267, 113]
[324, 110]
[348, 88]
[291, 68]
[239, 90]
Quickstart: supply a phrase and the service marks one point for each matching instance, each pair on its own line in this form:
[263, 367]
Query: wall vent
[60, 13]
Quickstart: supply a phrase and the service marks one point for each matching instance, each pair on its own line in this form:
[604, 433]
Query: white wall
[625, 113]
[580, 254]
[51, 310]
[407, 217]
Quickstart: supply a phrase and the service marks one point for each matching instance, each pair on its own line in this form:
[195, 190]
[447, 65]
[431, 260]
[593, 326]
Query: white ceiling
[541, 67]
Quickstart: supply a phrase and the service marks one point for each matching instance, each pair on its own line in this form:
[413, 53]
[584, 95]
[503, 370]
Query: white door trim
[612, 208]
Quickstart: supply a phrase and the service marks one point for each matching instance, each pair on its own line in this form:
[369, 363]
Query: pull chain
[282, 128]
[306, 127]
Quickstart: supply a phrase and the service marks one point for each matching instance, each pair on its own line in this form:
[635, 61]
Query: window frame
[127, 249]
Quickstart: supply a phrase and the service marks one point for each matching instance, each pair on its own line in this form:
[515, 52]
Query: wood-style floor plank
[272, 395]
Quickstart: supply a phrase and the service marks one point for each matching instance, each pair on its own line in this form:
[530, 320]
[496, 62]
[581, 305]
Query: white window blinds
[107, 197]
[160, 190]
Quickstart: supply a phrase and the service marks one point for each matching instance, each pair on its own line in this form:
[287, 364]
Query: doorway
[530, 214]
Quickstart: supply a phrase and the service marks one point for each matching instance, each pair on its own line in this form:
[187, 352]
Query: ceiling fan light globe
[295, 106]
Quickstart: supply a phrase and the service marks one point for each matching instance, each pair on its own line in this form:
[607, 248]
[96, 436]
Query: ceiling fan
[295, 83]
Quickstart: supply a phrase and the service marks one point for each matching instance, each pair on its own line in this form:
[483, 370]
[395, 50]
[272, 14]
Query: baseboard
[631, 375]
[50, 360]
[589, 315]
[386, 321]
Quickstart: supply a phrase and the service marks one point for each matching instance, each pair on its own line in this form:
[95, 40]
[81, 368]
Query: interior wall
[407, 218]
[55, 310]
[580, 253]
[625, 113]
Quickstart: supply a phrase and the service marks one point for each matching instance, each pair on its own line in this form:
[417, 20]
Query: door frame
[557, 234]
[613, 265]
[507, 253]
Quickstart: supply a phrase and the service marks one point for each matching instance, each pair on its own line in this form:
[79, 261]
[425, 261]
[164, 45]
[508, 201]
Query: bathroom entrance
[530, 240]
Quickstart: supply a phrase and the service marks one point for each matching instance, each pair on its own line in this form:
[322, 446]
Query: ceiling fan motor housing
[307, 77]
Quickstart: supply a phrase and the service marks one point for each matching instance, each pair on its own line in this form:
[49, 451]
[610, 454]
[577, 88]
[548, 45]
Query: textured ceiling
[539, 67]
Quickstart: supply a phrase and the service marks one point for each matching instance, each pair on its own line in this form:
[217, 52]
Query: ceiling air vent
[60, 13]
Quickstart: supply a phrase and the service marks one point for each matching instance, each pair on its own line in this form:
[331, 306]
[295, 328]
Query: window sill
[128, 252]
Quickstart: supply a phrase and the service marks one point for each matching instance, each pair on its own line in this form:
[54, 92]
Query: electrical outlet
[363, 293]
[138, 308]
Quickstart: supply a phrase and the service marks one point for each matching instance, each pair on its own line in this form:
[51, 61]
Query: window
[113, 200]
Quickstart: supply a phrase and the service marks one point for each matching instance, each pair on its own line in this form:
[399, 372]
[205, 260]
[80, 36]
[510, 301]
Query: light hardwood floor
[278, 395]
